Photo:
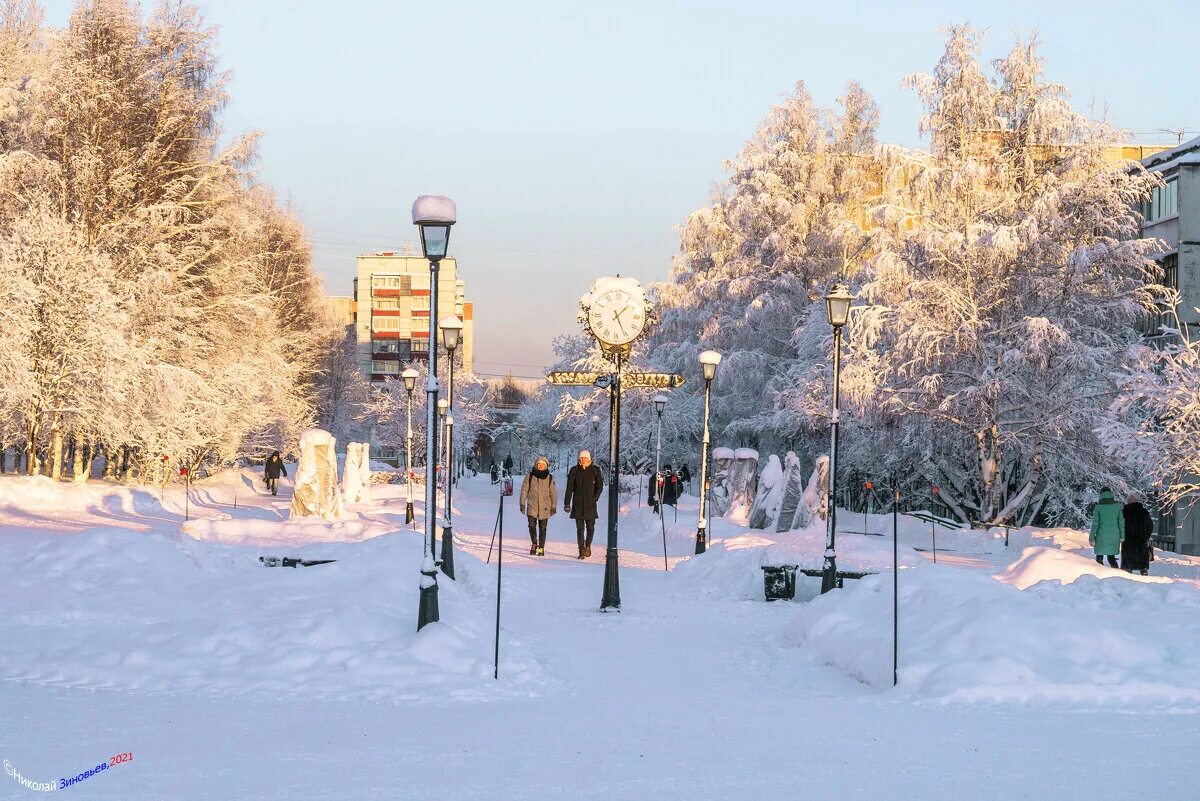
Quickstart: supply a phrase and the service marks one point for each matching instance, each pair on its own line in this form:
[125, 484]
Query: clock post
[615, 311]
[612, 579]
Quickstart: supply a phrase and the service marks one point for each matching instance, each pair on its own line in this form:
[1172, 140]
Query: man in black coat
[584, 483]
[670, 487]
[1135, 548]
[271, 471]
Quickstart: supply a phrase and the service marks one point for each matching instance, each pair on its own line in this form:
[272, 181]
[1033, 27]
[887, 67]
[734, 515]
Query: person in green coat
[1108, 528]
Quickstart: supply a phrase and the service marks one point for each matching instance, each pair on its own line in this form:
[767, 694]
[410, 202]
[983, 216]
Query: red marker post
[870, 486]
[187, 491]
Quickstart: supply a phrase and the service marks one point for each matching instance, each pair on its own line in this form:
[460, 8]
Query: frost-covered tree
[165, 303]
[1005, 282]
[753, 263]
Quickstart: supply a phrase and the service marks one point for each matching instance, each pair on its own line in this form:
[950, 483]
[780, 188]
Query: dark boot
[533, 549]
[587, 551]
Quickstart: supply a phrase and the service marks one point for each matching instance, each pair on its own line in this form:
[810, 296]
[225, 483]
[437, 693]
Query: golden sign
[573, 378]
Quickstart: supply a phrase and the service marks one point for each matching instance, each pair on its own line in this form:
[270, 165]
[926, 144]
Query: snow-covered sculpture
[722, 464]
[793, 493]
[316, 477]
[816, 495]
[769, 497]
[742, 484]
[356, 473]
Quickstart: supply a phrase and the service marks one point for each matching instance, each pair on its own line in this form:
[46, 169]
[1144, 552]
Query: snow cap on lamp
[433, 208]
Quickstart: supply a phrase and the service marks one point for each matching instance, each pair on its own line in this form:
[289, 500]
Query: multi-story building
[341, 307]
[391, 318]
[1172, 214]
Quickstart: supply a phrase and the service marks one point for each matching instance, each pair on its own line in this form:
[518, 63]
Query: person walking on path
[539, 499]
[670, 495]
[1108, 528]
[584, 483]
[508, 463]
[1135, 549]
[685, 476]
[271, 471]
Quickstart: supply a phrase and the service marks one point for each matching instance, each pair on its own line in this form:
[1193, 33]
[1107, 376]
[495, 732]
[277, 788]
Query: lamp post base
[408, 513]
[829, 574]
[612, 583]
[428, 611]
[447, 562]
[701, 544]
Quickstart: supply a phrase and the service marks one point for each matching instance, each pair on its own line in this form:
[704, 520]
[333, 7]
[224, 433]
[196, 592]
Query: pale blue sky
[575, 136]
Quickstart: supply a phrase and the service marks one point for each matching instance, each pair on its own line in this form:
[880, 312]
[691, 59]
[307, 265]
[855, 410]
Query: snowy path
[684, 694]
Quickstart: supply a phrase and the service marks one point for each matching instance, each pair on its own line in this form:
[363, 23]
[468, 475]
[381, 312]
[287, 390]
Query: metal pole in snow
[895, 583]
[499, 574]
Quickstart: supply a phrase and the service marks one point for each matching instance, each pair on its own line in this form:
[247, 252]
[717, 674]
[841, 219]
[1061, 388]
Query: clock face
[617, 315]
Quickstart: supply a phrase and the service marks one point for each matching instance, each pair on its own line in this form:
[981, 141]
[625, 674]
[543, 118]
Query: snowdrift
[967, 637]
[103, 605]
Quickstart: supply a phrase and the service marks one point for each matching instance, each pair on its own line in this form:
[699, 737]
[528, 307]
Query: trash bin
[779, 582]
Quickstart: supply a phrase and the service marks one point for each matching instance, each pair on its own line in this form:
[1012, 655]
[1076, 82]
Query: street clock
[615, 311]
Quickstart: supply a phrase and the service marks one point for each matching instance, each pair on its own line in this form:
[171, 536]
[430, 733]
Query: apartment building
[392, 311]
[1172, 214]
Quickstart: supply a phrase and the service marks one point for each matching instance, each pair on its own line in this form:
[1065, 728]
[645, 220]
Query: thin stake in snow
[499, 576]
[895, 582]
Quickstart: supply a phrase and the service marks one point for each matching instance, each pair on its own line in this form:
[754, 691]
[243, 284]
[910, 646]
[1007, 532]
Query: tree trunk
[78, 471]
[3, 458]
[110, 463]
[126, 464]
[31, 460]
[55, 456]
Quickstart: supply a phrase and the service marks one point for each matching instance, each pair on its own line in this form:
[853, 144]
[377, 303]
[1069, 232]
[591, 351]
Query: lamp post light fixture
[838, 308]
[433, 215]
[410, 383]
[451, 334]
[709, 360]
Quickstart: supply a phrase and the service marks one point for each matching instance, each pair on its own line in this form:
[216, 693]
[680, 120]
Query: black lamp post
[410, 383]
[433, 215]
[838, 308]
[451, 332]
[709, 360]
[660, 403]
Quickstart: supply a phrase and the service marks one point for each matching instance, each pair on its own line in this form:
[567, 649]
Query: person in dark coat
[685, 476]
[495, 473]
[539, 502]
[508, 464]
[584, 483]
[1135, 549]
[670, 487]
[271, 471]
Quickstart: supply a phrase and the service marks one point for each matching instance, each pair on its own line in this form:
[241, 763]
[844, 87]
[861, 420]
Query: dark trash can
[779, 582]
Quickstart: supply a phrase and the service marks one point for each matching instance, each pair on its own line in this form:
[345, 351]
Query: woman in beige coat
[539, 503]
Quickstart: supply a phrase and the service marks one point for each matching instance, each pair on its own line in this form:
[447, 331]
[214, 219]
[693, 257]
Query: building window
[420, 303]
[385, 367]
[386, 304]
[419, 345]
[385, 323]
[1170, 271]
[387, 346]
[1163, 202]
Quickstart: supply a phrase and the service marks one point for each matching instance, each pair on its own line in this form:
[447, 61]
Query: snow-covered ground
[1026, 671]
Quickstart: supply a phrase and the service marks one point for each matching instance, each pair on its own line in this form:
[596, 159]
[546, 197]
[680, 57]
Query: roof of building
[1184, 153]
